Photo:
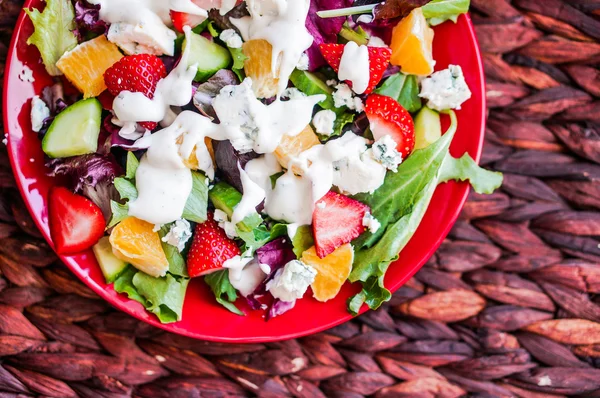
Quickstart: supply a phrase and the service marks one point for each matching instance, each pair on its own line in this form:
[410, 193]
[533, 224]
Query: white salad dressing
[282, 24]
[354, 66]
[174, 90]
[249, 278]
[254, 194]
[262, 168]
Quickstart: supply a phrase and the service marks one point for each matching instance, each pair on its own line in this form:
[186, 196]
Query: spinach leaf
[223, 290]
[197, 203]
[438, 11]
[404, 89]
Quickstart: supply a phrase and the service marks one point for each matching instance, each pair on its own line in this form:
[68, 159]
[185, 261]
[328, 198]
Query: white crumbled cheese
[179, 234]
[446, 89]
[290, 282]
[157, 227]
[223, 220]
[321, 205]
[143, 38]
[26, 75]
[375, 41]
[344, 96]
[365, 18]
[220, 216]
[304, 62]
[384, 151]
[324, 122]
[371, 223]
[331, 82]
[39, 113]
[231, 38]
[292, 93]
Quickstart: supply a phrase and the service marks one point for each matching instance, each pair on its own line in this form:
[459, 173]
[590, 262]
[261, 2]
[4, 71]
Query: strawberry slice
[181, 19]
[337, 220]
[76, 223]
[387, 117]
[210, 248]
[138, 73]
[379, 59]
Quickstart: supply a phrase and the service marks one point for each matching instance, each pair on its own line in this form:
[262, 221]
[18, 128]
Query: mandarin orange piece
[258, 67]
[85, 65]
[192, 161]
[292, 146]
[332, 270]
[135, 241]
[412, 41]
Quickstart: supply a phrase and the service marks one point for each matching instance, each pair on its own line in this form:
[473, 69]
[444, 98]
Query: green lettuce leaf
[439, 11]
[119, 213]
[197, 203]
[239, 58]
[483, 181]
[404, 89]
[303, 240]
[53, 34]
[124, 284]
[223, 290]
[164, 296]
[132, 165]
[177, 265]
[126, 188]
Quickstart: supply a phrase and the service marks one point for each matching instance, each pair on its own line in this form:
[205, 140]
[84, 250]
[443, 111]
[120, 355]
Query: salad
[265, 146]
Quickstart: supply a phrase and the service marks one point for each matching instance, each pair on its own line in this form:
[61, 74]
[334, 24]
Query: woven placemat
[508, 306]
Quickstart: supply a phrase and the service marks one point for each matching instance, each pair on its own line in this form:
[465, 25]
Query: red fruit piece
[210, 248]
[181, 19]
[387, 117]
[337, 220]
[76, 223]
[138, 73]
[379, 59]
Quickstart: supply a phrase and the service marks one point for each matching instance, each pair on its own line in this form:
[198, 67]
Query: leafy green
[212, 30]
[132, 165]
[177, 265]
[239, 58]
[483, 181]
[438, 11]
[303, 240]
[124, 284]
[404, 89]
[359, 36]
[53, 34]
[223, 290]
[399, 191]
[197, 203]
[119, 213]
[275, 177]
[400, 205]
[164, 296]
[126, 189]
[341, 120]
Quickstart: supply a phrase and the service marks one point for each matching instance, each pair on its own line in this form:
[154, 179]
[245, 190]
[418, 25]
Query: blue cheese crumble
[371, 223]
[384, 151]
[179, 234]
[39, 113]
[344, 96]
[446, 89]
[291, 281]
[324, 122]
[231, 38]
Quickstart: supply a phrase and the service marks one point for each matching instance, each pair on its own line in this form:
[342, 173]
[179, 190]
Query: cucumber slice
[428, 128]
[208, 56]
[110, 265]
[311, 84]
[224, 197]
[75, 130]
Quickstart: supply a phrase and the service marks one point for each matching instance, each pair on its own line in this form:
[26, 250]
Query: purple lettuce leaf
[87, 20]
[109, 137]
[323, 30]
[227, 159]
[276, 254]
[206, 92]
[53, 97]
[92, 176]
[279, 307]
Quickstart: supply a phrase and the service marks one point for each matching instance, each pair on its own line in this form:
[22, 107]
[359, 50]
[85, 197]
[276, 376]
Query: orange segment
[411, 46]
[332, 271]
[134, 241]
[192, 161]
[258, 67]
[292, 146]
[85, 65]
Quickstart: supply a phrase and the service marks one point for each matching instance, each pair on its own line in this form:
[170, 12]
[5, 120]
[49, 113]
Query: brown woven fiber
[508, 307]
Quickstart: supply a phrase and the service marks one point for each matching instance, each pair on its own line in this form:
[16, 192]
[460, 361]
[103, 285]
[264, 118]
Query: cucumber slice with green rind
[111, 266]
[428, 127]
[75, 130]
[311, 84]
[209, 57]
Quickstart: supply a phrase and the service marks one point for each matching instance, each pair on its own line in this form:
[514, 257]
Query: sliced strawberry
[76, 223]
[387, 117]
[181, 19]
[210, 248]
[106, 100]
[138, 73]
[337, 220]
[379, 59]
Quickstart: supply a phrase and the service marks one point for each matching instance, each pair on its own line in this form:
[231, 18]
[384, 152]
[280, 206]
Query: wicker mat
[509, 305]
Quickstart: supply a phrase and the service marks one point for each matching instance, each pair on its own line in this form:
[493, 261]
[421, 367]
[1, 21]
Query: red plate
[202, 317]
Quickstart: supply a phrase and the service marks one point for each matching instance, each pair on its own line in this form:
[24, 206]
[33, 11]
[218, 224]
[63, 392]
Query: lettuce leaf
[176, 261]
[439, 11]
[164, 296]
[404, 89]
[223, 290]
[53, 34]
[197, 203]
[124, 284]
[400, 205]
[303, 240]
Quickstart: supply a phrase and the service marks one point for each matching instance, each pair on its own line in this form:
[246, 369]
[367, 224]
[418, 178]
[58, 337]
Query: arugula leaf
[404, 89]
[438, 11]
[119, 213]
[399, 191]
[197, 203]
[223, 290]
[465, 168]
[124, 284]
[164, 296]
[132, 165]
[53, 34]
[177, 265]
[126, 188]
[303, 240]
